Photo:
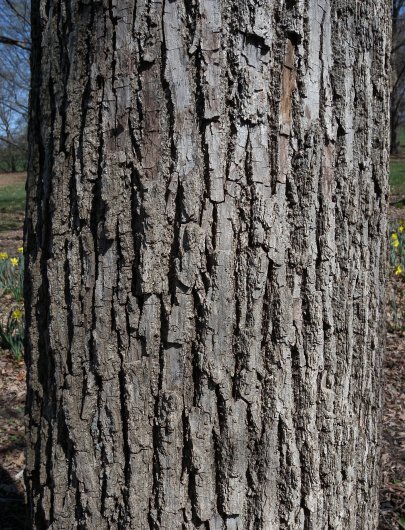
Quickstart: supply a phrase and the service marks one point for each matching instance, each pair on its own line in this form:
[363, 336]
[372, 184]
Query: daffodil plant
[11, 275]
[12, 333]
[397, 269]
[11, 284]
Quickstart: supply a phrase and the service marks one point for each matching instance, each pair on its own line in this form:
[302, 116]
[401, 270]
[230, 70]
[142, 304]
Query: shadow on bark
[12, 503]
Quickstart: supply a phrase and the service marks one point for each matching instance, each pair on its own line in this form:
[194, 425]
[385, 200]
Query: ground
[392, 495]
[12, 377]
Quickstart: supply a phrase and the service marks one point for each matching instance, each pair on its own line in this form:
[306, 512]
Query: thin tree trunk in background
[394, 141]
[205, 246]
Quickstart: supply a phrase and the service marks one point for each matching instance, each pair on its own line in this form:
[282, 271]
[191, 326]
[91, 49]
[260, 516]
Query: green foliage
[11, 285]
[397, 274]
[12, 333]
[20, 163]
[397, 247]
[11, 276]
[12, 198]
[397, 177]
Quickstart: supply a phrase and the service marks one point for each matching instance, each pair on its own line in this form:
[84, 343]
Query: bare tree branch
[17, 13]
[10, 142]
[14, 42]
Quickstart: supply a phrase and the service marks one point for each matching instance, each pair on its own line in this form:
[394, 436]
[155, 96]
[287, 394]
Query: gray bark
[205, 244]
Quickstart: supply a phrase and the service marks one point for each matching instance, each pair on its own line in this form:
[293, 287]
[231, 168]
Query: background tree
[15, 38]
[205, 245]
[397, 72]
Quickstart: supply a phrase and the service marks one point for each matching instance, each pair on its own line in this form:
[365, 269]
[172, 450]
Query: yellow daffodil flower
[20, 250]
[17, 314]
[394, 236]
[395, 243]
[399, 270]
[3, 255]
[14, 261]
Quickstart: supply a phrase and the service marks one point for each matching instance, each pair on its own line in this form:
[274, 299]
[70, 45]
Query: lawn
[12, 201]
[397, 177]
[12, 198]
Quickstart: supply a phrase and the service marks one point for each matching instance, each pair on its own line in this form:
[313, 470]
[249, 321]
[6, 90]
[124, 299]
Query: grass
[12, 198]
[12, 206]
[12, 201]
[397, 177]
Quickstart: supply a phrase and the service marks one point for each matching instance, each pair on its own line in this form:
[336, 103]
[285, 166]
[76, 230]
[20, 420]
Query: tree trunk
[205, 244]
[13, 163]
[397, 74]
[395, 111]
[395, 145]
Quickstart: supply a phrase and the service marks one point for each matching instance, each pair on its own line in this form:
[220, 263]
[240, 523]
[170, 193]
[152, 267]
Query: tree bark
[205, 249]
